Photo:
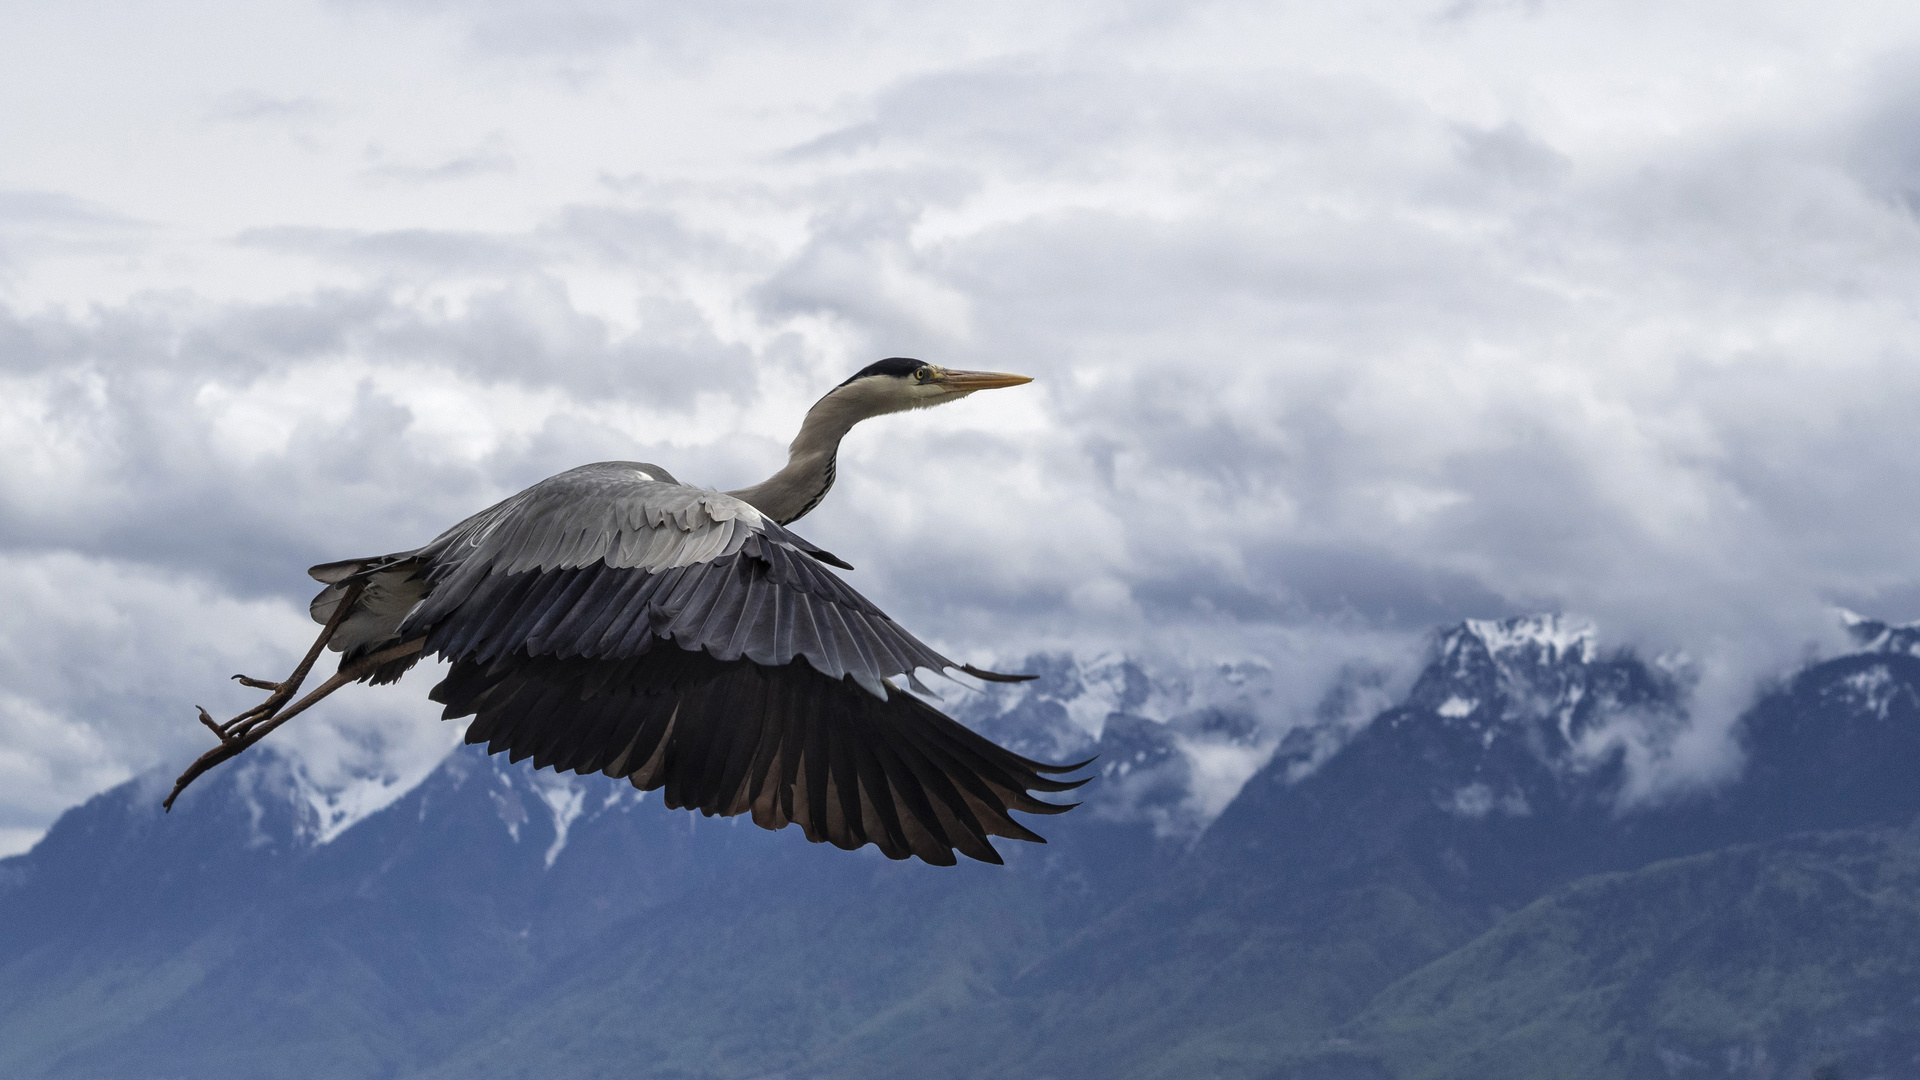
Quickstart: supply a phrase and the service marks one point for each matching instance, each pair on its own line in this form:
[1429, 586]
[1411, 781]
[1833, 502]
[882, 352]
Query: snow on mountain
[1532, 706]
[1089, 692]
[1537, 638]
[1172, 744]
[1873, 688]
[1175, 740]
[1876, 636]
[287, 807]
[539, 807]
[327, 797]
[1484, 674]
[1504, 677]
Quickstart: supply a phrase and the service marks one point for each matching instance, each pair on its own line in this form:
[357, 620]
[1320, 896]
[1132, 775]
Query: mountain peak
[1534, 686]
[1539, 663]
[1876, 636]
[1550, 638]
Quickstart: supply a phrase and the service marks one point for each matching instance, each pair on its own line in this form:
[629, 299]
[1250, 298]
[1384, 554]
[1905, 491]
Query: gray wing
[612, 620]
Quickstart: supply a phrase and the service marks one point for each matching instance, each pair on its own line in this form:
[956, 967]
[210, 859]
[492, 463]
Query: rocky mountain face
[1456, 873]
[1320, 885]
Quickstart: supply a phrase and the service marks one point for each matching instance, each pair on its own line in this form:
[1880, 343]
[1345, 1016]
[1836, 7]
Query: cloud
[252, 106]
[490, 157]
[38, 225]
[1496, 379]
[587, 31]
[1344, 323]
[404, 251]
[238, 441]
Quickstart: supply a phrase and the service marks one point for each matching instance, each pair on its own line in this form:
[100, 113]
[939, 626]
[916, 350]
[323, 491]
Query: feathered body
[612, 619]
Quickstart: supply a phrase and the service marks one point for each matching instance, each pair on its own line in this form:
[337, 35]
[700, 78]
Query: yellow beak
[970, 381]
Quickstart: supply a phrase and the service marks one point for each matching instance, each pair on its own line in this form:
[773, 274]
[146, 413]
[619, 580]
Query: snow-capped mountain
[490, 920]
[1172, 746]
[1529, 705]
[1502, 761]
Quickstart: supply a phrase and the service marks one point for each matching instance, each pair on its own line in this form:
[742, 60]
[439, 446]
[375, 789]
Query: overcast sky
[1348, 319]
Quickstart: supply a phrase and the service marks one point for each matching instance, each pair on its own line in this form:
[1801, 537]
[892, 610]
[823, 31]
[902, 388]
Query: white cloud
[1361, 317]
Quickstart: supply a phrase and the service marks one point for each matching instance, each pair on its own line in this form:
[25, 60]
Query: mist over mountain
[1478, 840]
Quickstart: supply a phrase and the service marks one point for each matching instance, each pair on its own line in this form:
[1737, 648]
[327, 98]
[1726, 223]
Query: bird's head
[899, 382]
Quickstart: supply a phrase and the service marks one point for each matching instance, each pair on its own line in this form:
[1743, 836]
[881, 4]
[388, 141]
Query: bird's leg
[284, 690]
[233, 733]
[236, 737]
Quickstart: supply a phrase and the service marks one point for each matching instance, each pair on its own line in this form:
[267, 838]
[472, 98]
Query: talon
[215, 728]
[257, 684]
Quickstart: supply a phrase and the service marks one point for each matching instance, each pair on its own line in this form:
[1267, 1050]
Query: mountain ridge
[491, 920]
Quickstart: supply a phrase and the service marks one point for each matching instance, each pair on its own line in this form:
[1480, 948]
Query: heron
[612, 619]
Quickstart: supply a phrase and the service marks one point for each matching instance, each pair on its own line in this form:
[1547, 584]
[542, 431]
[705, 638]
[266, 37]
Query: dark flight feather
[786, 743]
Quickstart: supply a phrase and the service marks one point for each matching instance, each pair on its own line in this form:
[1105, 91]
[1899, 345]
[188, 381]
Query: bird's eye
[923, 374]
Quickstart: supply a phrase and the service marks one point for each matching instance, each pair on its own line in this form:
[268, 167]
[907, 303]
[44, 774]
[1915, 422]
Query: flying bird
[612, 619]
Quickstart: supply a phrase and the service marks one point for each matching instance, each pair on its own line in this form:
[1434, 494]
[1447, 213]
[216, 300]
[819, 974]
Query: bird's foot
[256, 723]
[238, 727]
[238, 733]
[218, 731]
[283, 692]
